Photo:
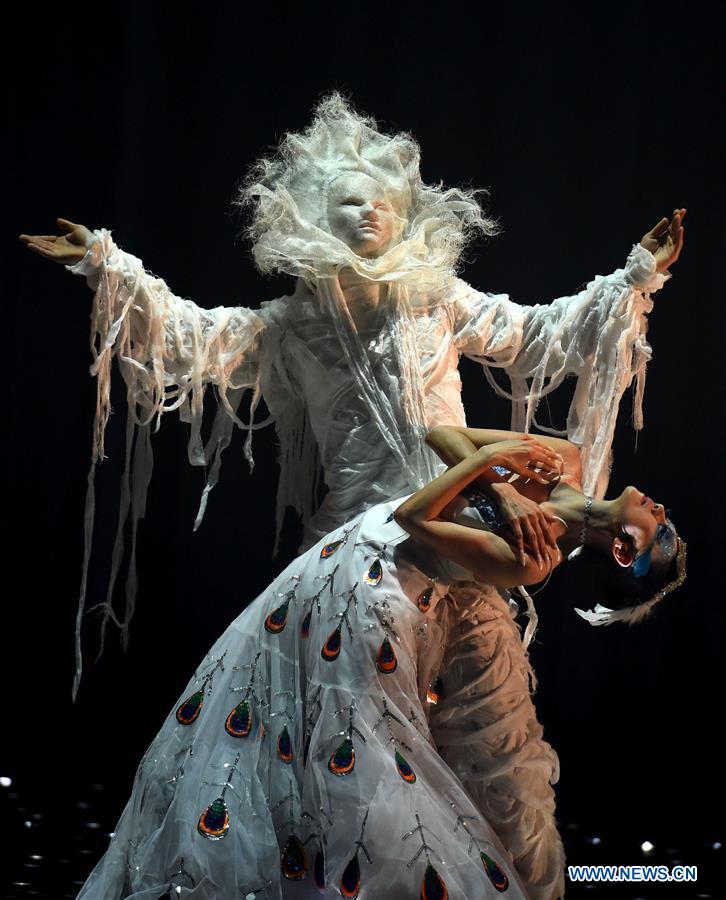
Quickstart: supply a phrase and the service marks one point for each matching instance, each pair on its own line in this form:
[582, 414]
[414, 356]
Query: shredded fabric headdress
[288, 192]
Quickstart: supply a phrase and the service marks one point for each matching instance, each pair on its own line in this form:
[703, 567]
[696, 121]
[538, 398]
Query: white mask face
[360, 215]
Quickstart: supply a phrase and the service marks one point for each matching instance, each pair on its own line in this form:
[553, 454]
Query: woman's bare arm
[486, 555]
[527, 523]
[452, 443]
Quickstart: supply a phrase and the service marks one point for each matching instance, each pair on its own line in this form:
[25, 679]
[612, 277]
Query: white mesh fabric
[369, 420]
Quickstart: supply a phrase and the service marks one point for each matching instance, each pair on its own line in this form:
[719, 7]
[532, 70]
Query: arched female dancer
[485, 726]
[639, 542]
[299, 757]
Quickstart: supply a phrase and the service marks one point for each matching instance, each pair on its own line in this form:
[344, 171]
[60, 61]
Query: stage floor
[58, 832]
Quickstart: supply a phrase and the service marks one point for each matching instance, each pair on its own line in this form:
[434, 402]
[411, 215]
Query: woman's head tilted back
[301, 220]
[641, 562]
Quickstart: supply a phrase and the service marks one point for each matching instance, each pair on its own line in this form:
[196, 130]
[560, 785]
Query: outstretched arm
[597, 335]
[168, 349]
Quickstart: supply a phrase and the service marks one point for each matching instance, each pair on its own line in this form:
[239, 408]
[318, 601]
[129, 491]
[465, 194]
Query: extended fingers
[545, 449]
[677, 228]
[546, 462]
[519, 538]
[543, 472]
[546, 452]
[675, 236]
[530, 471]
[660, 226]
[551, 540]
[545, 521]
[541, 540]
[532, 539]
[677, 247]
[43, 249]
[532, 459]
[41, 244]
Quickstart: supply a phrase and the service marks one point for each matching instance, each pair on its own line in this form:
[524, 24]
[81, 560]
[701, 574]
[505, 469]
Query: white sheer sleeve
[597, 335]
[168, 350]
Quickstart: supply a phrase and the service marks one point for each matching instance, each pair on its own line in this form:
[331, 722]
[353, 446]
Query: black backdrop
[586, 129]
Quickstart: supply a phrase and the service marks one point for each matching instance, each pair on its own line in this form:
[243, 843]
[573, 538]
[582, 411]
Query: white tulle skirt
[298, 760]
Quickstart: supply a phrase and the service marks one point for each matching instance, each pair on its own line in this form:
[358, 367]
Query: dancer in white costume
[377, 303]
[299, 758]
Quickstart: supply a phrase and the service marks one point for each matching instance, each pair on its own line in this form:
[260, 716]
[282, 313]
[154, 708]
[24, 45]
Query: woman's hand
[527, 523]
[665, 240]
[68, 248]
[526, 457]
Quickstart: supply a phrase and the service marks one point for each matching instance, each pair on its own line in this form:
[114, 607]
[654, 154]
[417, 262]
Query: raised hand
[67, 248]
[665, 240]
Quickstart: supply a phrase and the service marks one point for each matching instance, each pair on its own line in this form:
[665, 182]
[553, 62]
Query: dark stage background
[587, 130]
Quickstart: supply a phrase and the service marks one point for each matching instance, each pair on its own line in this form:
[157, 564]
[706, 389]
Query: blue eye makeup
[664, 545]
